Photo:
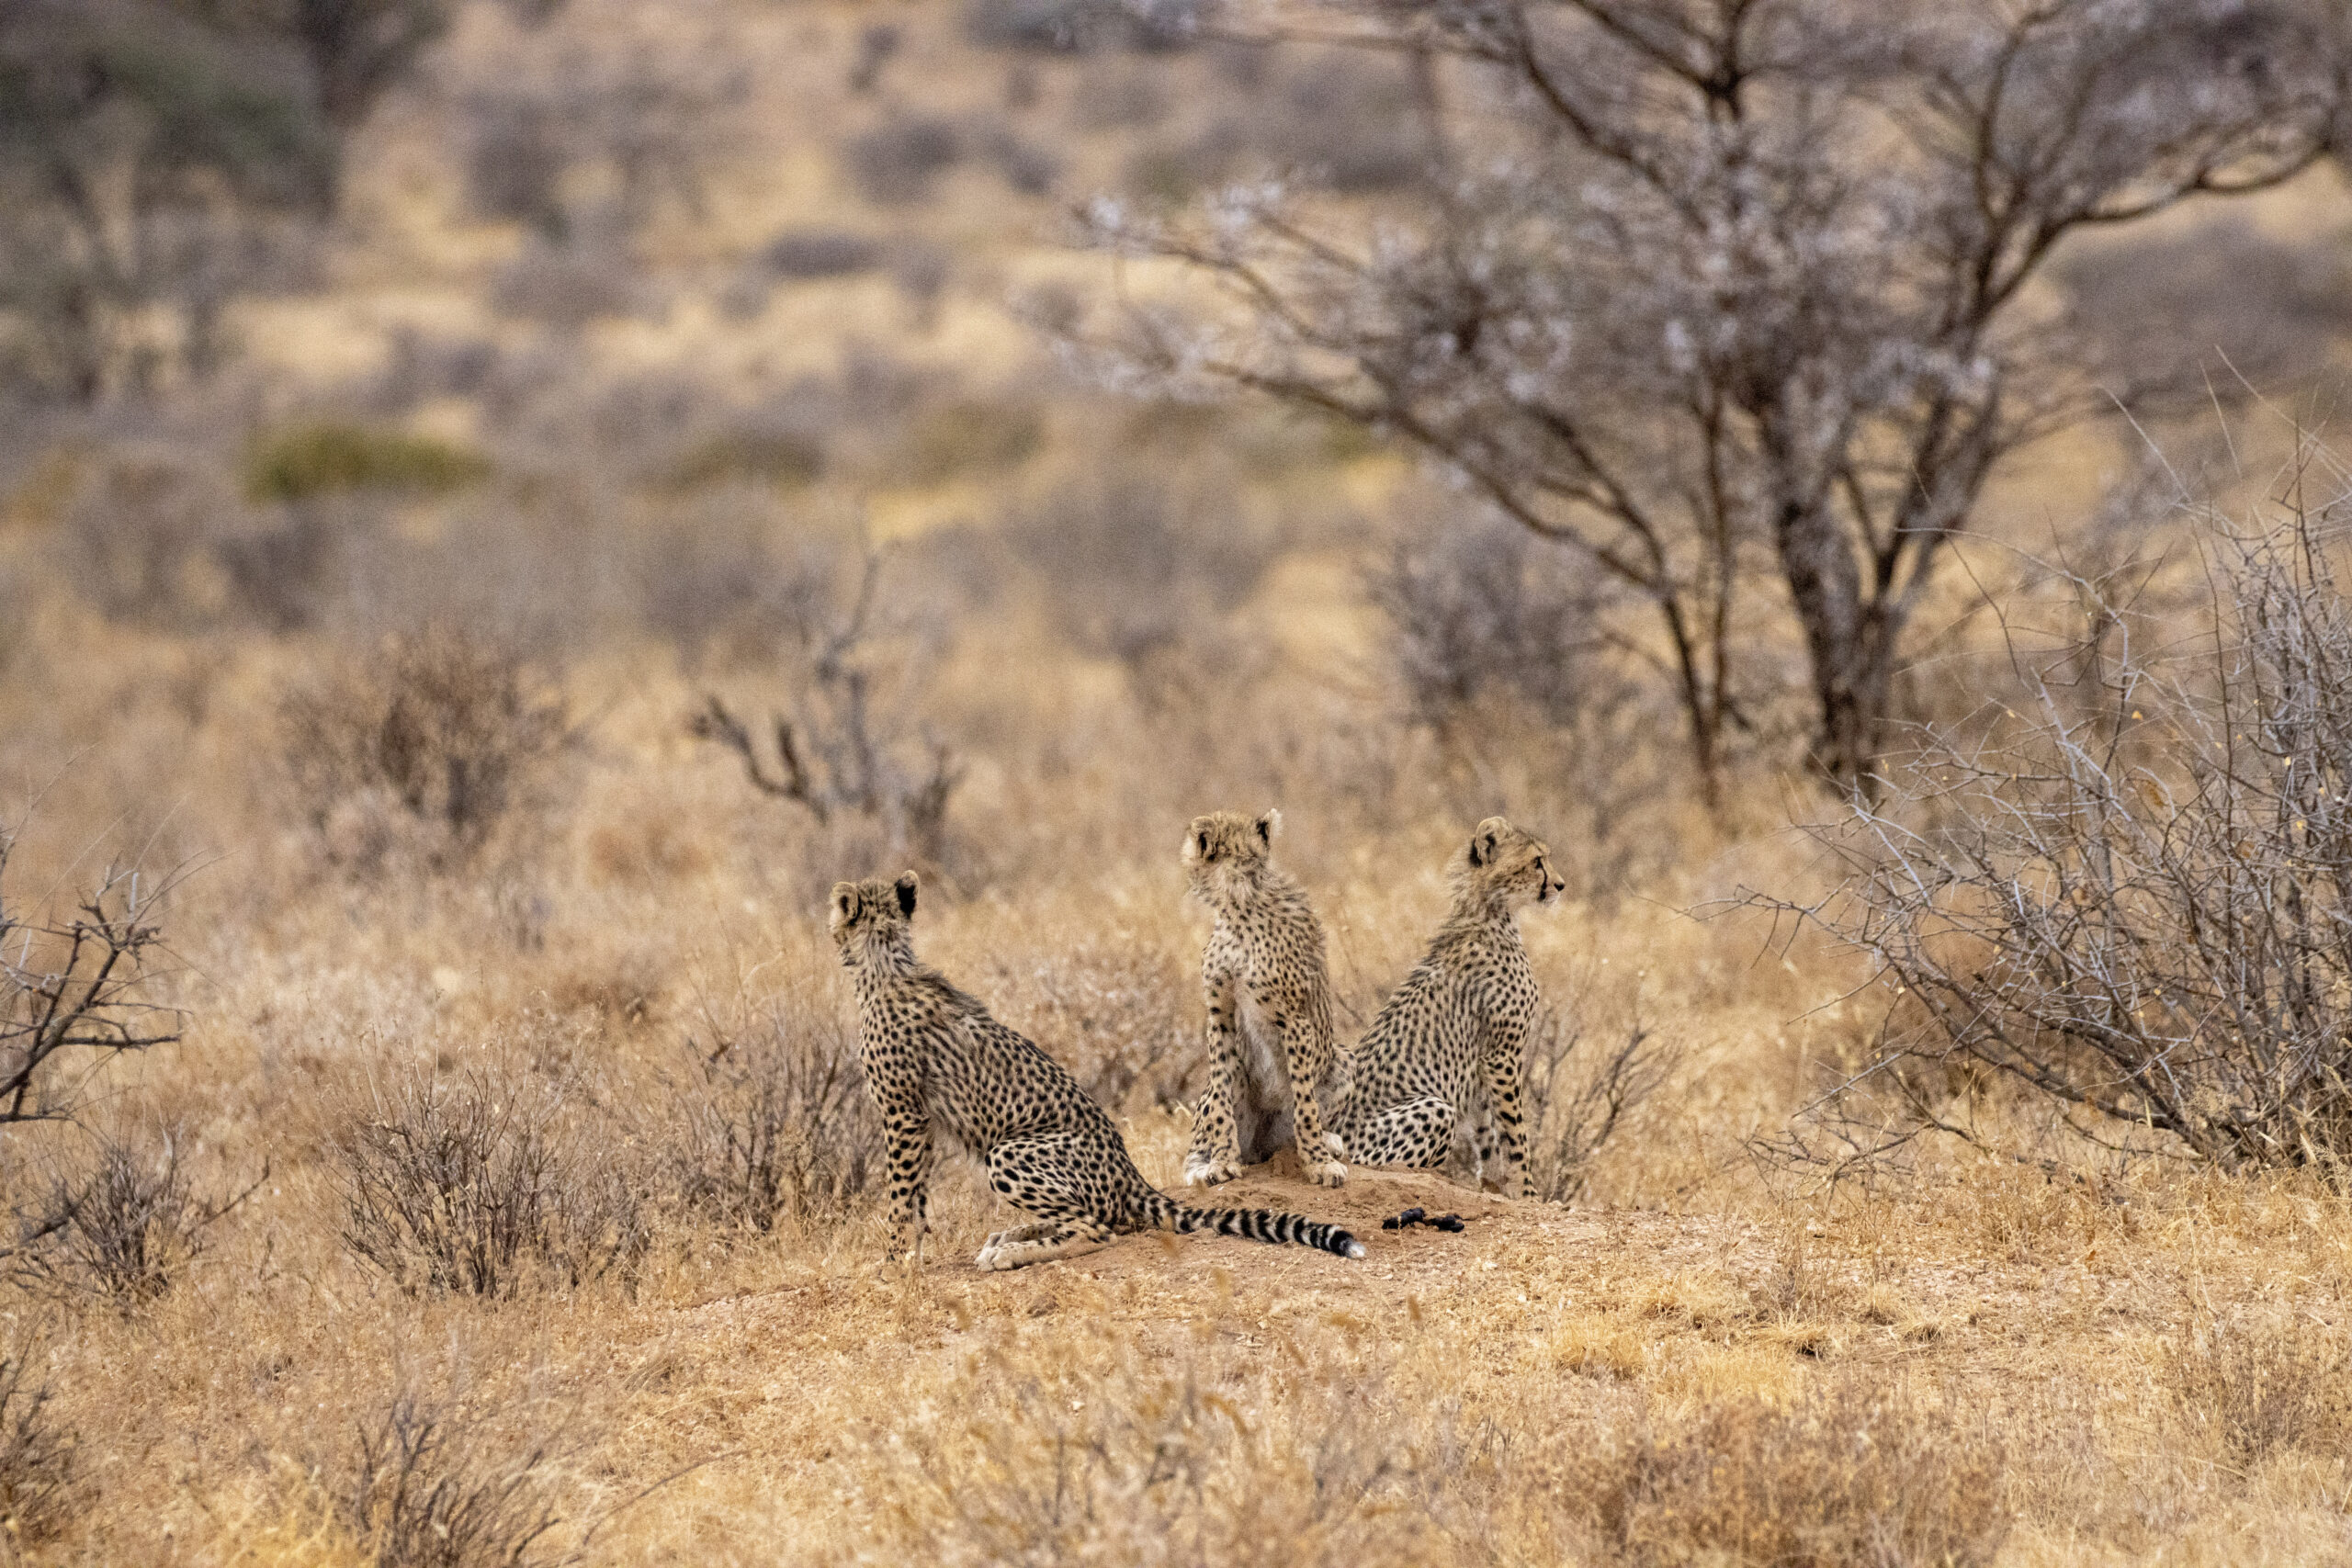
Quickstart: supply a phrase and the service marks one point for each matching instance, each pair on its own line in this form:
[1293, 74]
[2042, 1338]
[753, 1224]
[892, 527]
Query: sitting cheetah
[933, 1057]
[1269, 1007]
[1451, 1035]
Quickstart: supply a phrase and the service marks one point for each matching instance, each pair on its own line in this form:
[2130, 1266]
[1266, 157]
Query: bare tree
[2126, 891]
[1720, 291]
[77, 991]
[847, 744]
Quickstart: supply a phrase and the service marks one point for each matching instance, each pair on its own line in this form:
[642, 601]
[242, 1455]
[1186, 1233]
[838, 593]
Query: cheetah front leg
[1502, 1133]
[907, 1150]
[1318, 1149]
[1215, 1154]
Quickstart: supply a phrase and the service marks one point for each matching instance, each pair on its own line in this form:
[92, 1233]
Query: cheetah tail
[1259, 1224]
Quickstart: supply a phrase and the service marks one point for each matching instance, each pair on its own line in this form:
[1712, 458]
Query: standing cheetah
[1269, 1007]
[1449, 1037]
[933, 1057]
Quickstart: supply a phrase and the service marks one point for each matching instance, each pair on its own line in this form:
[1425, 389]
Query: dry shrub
[2121, 891]
[514, 162]
[967, 437]
[567, 286]
[1578, 1100]
[1477, 606]
[773, 1123]
[1115, 1012]
[424, 1492]
[1150, 1460]
[777, 458]
[1339, 119]
[1507, 655]
[1084, 27]
[897, 162]
[2262, 1385]
[36, 1456]
[429, 744]
[2272, 306]
[851, 743]
[138, 533]
[1142, 1462]
[124, 1227]
[820, 252]
[1845, 1475]
[485, 1185]
[1146, 573]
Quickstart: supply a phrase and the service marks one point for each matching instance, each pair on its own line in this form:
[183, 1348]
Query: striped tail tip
[1355, 1247]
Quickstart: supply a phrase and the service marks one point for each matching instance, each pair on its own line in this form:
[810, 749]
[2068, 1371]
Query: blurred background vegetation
[625, 333]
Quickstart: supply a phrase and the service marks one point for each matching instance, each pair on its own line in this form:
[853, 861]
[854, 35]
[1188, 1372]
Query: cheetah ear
[1483, 843]
[1269, 826]
[845, 896]
[906, 887]
[1196, 846]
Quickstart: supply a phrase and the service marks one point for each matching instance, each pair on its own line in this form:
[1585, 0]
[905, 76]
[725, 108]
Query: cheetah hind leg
[1029, 1232]
[1417, 1134]
[1039, 1175]
[1059, 1238]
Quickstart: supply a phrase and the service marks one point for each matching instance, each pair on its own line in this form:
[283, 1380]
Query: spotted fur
[934, 1059]
[1443, 1056]
[1269, 1004]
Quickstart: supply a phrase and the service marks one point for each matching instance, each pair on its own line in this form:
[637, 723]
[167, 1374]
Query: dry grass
[36, 1456]
[616, 1172]
[521, 996]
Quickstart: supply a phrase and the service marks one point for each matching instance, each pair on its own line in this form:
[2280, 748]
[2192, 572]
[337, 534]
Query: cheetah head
[1507, 867]
[1225, 851]
[873, 916]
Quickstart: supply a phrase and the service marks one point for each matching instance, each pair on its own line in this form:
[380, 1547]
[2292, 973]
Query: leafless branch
[2127, 893]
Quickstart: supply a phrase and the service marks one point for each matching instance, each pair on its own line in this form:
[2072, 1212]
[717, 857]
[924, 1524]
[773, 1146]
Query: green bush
[970, 438]
[781, 458]
[326, 459]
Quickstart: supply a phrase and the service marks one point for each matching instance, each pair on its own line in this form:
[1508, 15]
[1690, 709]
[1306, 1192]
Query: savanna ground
[507, 1194]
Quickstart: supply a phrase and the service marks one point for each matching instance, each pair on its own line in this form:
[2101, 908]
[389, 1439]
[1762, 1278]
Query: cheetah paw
[1326, 1173]
[1210, 1172]
[1335, 1145]
[990, 1259]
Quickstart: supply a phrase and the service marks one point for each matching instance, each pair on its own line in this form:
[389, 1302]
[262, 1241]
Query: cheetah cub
[1269, 1004]
[933, 1057]
[1443, 1052]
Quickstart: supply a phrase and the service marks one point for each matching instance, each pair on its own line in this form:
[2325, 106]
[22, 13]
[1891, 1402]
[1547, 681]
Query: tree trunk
[1850, 640]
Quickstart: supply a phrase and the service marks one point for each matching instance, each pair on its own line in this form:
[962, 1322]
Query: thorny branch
[77, 992]
[2129, 894]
